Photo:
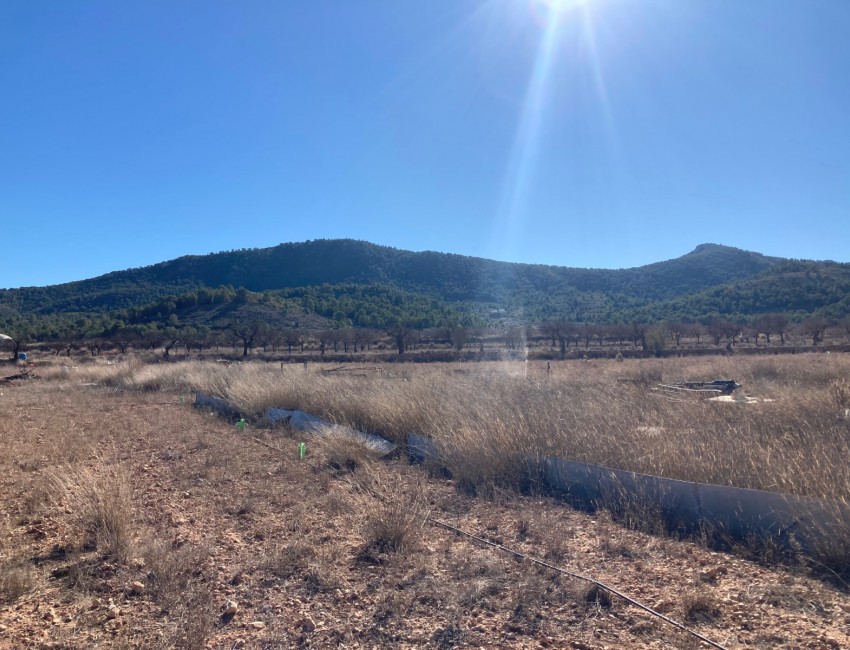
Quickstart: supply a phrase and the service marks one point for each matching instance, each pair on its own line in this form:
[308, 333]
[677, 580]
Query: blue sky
[592, 133]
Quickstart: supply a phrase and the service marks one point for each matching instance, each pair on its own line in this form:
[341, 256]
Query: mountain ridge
[343, 279]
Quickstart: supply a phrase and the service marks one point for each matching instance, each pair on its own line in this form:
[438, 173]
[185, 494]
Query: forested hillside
[535, 289]
[338, 284]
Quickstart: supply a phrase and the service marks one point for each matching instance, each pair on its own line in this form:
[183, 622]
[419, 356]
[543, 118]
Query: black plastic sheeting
[421, 449]
[728, 514]
[738, 514]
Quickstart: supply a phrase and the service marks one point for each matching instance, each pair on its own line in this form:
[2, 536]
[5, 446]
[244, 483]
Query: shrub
[99, 504]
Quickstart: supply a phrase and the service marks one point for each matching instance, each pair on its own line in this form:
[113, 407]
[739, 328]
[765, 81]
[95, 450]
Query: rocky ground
[132, 520]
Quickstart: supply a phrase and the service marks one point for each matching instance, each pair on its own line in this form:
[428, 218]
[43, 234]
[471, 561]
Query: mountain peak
[702, 248]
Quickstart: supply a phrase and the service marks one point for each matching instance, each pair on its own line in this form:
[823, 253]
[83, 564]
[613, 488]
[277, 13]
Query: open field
[131, 501]
[486, 417]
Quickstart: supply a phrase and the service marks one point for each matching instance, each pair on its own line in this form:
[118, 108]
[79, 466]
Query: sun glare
[561, 5]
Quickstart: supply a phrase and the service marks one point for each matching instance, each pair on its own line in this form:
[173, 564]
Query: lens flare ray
[510, 219]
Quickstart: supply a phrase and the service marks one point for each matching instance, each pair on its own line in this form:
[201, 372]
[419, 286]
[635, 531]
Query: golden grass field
[132, 519]
[794, 439]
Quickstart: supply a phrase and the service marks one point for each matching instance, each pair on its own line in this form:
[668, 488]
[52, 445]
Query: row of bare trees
[246, 336]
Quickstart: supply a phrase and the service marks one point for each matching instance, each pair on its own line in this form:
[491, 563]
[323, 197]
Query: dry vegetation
[487, 418]
[131, 519]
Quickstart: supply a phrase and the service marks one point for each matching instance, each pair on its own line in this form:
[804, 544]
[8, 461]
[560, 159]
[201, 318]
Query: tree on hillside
[204, 337]
[549, 329]
[845, 325]
[171, 337]
[676, 330]
[20, 334]
[123, 336]
[587, 331]
[639, 331]
[324, 337]
[719, 328]
[814, 327]
[402, 333]
[363, 337]
[620, 332]
[292, 337]
[655, 339]
[561, 330]
[459, 336]
[515, 338]
[779, 324]
[246, 330]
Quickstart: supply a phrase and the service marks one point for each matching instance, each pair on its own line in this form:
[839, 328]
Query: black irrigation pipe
[572, 574]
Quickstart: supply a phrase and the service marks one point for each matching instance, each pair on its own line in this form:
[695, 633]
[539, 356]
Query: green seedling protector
[302, 450]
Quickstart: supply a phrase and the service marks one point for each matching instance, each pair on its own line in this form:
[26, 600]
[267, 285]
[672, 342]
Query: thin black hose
[572, 574]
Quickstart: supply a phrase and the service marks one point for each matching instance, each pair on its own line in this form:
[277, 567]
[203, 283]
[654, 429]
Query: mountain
[448, 276]
[367, 284]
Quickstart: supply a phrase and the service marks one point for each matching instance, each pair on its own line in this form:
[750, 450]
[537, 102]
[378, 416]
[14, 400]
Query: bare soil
[335, 550]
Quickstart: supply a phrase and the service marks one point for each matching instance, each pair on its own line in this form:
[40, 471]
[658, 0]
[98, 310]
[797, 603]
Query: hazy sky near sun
[595, 133]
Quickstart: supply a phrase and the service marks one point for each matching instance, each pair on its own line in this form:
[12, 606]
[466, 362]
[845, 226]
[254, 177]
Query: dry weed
[490, 422]
[344, 454]
[287, 560]
[98, 502]
[396, 521]
[174, 572]
[16, 579]
[700, 608]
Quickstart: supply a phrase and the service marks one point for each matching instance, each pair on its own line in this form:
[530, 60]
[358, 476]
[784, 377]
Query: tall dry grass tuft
[395, 523]
[16, 579]
[98, 502]
[342, 453]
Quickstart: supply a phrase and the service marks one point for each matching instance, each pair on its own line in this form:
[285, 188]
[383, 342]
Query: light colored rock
[136, 588]
[257, 625]
[113, 611]
[230, 608]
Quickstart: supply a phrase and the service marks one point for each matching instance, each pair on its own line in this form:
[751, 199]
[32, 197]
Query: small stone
[307, 625]
[230, 608]
[51, 616]
[239, 643]
[257, 625]
[113, 611]
[136, 588]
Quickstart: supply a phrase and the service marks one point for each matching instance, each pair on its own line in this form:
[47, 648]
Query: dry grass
[16, 579]
[700, 608]
[217, 515]
[488, 419]
[98, 502]
[491, 421]
[342, 453]
[394, 524]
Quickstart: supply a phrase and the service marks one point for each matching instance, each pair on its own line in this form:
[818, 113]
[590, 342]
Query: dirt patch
[231, 543]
